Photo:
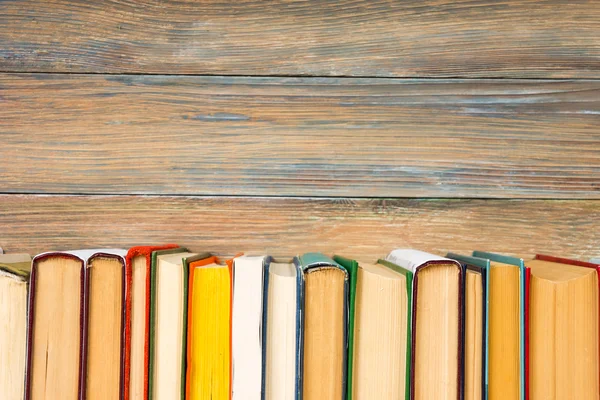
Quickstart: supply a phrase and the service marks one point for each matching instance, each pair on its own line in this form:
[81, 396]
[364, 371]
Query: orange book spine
[145, 251]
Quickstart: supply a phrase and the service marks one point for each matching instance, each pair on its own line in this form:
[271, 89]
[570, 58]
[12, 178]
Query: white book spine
[246, 335]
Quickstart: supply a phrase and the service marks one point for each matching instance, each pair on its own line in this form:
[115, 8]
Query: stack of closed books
[164, 323]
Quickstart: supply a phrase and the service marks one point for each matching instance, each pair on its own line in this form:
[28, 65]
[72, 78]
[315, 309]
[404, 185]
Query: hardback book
[76, 332]
[437, 324]
[209, 329]
[168, 323]
[138, 264]
[325, 308]
[282, 330]
[246, 327]
[378, 330]
[595, 260]
[14, 281]
[564, 338]
[508, 280]
[476, 325]
[104, 326]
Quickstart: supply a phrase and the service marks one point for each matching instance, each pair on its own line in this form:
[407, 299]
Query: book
[246, 327]
[508, 331]
[168, 323]
[564, 338]
[75, 332]
[325, 307]
[351, 267]
[595, 260]
[138, 264]
[437, 324]
[378, 330]
[282, 330]
[104, 327]
[209, 329]
[476, 325]
[14, 282]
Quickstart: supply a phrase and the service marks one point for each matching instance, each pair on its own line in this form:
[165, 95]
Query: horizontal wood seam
[293, 197]
[307, 76]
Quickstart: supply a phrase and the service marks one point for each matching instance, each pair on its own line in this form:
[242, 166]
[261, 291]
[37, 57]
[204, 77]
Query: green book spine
[409, 285]
[20, 270]
[352, 268]
[152, 335]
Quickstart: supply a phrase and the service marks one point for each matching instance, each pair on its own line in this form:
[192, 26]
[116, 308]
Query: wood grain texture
[299, 136]
[467, 38]
[283, 227]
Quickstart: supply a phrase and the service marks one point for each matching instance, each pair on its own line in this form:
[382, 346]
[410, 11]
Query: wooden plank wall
[369, 38]
[286, 126]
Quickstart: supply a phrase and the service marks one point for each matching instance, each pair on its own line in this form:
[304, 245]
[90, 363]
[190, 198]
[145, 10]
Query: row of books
[163, 323]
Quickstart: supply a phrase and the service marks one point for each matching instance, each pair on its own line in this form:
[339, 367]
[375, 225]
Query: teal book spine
[523, 311]
[481, 266]
[311, 261]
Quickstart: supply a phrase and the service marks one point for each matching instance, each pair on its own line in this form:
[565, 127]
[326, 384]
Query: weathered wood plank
[299, 137]
[431, 38]
[283, 227]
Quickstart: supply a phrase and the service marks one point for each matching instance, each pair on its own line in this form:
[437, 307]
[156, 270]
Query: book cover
[140, 386]
[320, 328]
[352, 267]
[184, 258]
[289, 384]
[198, 336]
[417, 262]
[53, 371]
[525, 274]
[578, 263]
[14, 283]
[482, 267]
[409, 286]
[104, 324]
[247, 328]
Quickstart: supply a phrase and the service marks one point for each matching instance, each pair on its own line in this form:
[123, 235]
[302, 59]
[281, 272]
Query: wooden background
[283, 126]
